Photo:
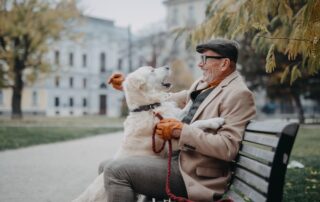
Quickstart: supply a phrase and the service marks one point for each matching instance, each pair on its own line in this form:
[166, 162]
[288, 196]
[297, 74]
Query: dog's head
[147, 85]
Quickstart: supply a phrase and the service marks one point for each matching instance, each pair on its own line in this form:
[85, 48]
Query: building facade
[162, 45]
[77, 84]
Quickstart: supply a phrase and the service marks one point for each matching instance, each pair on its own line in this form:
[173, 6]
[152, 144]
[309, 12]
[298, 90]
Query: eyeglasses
[205, 57]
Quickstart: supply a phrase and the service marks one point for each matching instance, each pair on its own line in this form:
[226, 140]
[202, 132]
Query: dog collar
[146, 107]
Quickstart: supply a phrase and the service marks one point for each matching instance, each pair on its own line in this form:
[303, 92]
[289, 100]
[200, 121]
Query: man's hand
[169, 128]
[116, 80]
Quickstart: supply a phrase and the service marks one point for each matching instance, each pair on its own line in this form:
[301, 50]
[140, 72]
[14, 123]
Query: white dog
[146, 94]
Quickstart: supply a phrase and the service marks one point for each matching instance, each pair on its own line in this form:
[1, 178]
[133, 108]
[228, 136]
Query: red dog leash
[168, 190]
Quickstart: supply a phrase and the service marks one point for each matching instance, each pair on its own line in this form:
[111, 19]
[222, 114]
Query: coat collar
[214, 93]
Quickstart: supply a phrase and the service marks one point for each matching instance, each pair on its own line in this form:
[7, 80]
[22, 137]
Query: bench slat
[234, 196]
[255, 166]
[252, 180]
[248, 191]
[269, 126]
[268, 140]
[257, 152]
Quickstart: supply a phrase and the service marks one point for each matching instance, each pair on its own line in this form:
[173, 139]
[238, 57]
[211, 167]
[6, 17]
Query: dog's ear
[137, 83]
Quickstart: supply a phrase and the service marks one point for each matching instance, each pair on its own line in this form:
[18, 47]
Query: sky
[137, 13]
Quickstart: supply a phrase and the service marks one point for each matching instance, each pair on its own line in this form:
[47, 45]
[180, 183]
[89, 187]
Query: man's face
[211, 67]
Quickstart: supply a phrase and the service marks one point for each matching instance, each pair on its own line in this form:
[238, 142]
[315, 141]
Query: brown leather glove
[116, 80]
[167, 128]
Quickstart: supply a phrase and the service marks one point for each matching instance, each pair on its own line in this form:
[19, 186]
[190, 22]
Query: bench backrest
[260, 167]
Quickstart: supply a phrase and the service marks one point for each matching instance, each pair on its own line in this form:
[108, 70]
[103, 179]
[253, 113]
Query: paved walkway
[54, 172]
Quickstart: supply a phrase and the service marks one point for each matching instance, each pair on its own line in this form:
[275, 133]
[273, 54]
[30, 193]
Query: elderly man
[201, 170]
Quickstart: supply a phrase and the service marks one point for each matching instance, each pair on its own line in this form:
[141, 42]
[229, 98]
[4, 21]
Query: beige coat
[204, 156]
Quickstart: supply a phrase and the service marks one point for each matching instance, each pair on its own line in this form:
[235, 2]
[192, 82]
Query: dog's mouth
[165, 84]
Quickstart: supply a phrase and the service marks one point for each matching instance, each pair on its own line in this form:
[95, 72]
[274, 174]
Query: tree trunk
[297, 100]
[17, 90]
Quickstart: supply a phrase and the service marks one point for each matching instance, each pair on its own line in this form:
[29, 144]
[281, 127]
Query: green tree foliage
[27, 28]
[285, 32]
[289, 27]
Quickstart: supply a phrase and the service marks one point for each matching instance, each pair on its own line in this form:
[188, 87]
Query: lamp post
[129, 48]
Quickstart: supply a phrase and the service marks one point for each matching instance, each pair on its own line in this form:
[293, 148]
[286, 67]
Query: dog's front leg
[213, 123]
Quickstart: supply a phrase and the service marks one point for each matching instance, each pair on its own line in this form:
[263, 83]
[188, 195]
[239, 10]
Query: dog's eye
[152, 70]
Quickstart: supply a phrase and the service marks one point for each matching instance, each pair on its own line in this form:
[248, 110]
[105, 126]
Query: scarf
[220, 78]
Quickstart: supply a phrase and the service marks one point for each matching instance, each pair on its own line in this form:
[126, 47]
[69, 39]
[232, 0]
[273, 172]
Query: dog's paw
[218, 120]
[213, 123]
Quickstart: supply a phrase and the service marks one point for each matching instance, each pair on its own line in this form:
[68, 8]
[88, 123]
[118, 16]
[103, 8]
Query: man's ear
[226, 63]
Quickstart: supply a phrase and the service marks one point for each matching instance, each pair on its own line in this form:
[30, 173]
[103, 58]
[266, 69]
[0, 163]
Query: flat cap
[224, 47]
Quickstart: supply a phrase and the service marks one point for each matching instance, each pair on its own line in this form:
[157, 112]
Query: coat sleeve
[225, 143]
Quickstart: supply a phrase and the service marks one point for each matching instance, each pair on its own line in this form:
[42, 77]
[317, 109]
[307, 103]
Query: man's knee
[116, 172]
[102, 165]
[114, 168]
[124, 168]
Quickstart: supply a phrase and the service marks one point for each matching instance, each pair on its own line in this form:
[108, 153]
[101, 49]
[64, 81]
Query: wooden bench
[259, 170]
[261, 164]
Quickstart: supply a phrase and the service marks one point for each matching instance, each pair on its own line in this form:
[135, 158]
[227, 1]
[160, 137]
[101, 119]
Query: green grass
[16, 137]
[83, 121]
[32, 131]
[304, 184]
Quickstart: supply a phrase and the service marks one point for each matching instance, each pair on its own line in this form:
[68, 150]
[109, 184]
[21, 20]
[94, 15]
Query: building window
[103, 85]
[71, 59]
[191, 11]
[34, 98]
[191, 65]
[175, 15]
[71, 102]
[56, 57]
[102, 62]
[84, 102]
[84, 83]
[191, 19]
[119, 64]
[141, 61]
[57, 81]
[56, 102]
[84, 60]
[71, 82]
[1, 97]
